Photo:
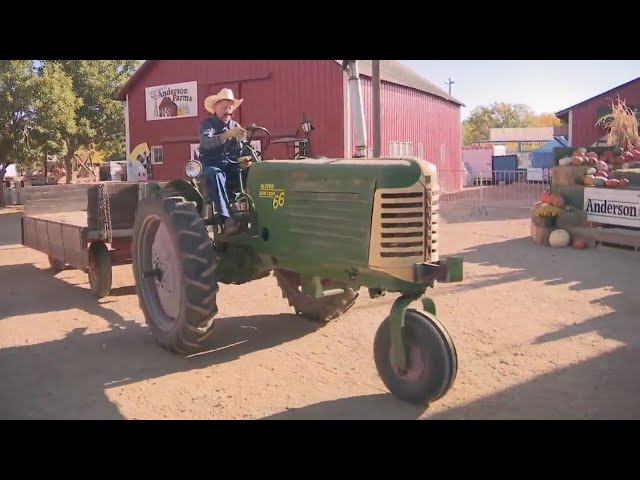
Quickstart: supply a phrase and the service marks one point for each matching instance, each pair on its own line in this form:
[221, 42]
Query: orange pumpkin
[579, 243]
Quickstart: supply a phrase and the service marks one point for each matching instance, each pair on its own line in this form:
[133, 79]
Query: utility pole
[375, 77]
[450, 82]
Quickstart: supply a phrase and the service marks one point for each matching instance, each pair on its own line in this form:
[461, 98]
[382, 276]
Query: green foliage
[502, 115]
[17, 86]
[60, 106]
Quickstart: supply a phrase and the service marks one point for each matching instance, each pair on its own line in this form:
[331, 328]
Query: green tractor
[326, 228]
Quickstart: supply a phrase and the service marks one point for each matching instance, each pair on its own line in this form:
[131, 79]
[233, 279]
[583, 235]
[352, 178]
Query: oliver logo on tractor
[326, 228]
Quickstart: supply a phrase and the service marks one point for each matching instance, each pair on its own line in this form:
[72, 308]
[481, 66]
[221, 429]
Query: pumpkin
[582, 150]
[624, 183]
[589, 180]
[636, 155]
[558, 201]
[601, 166]
[576, 161]
[625, 166]
[613, 182]
[600, 181]
[559, 238]
[564, 161]
[592, 155]
[602, 174]
[591, 171]
[579, 243]
[546, 197]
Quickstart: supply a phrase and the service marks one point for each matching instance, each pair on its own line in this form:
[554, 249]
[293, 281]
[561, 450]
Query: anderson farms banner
[178, 100]
[613, 207]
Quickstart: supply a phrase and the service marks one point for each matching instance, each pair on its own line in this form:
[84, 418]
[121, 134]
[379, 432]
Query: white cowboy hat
[224, 94]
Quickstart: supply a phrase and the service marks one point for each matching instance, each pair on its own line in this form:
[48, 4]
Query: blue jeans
[216, 177]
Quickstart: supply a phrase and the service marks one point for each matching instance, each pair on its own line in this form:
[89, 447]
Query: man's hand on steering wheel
[244, 162]
[235, 132]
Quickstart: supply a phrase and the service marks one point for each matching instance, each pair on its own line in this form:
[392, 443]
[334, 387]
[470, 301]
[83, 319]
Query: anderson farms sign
[613, 207]
[178, 100]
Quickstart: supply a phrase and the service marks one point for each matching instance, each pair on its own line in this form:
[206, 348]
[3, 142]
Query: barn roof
[565, 112]
[391, 71]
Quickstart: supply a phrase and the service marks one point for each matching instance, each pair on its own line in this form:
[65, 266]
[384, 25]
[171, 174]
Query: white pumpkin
[559, 238]
[564, 161]
[591, 171]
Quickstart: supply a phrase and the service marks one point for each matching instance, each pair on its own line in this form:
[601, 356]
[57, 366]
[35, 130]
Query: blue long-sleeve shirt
[212, 145]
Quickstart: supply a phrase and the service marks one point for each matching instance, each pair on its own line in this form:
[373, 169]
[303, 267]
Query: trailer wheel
[432, 359]
[100, 274]
[56, 265]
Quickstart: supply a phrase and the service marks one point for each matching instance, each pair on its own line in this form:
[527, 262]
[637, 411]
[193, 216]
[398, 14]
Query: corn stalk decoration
[622, 126]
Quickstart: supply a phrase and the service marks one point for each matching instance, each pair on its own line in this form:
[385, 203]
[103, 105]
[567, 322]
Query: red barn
[164, 104]
[582, 117]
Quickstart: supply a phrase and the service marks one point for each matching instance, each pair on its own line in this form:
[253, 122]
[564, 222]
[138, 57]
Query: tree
[502, 115]
[99, 118]
[18, 83]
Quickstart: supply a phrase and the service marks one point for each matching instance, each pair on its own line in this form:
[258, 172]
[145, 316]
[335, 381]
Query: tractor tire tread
[199, 287]
[322, 310]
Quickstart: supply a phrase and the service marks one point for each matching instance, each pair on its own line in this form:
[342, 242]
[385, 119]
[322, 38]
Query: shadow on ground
[581, 269]
[382, 406]
[605, 387]
[67, 378]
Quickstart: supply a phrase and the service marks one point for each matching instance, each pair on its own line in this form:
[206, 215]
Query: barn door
[235, 88]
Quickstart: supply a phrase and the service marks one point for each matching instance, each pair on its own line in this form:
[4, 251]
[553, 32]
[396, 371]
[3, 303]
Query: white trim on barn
[570, 139]
[127, 127]
[347, 114]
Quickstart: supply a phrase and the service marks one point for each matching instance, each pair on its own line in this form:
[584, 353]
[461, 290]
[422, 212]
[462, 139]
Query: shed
[542, 157]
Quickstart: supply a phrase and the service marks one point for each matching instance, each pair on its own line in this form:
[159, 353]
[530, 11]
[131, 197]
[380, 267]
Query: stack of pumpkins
[558, 237]
[601, 167]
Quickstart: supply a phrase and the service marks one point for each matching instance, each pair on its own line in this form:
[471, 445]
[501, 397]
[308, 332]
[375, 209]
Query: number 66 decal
[278, 200]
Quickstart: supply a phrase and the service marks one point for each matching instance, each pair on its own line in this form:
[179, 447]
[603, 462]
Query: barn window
[195, 151]
[156, 155]
[420, 150]
[400, 149]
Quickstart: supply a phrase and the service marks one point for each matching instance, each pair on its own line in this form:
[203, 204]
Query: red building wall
[408, 115]
[275, 92]
[584, 131]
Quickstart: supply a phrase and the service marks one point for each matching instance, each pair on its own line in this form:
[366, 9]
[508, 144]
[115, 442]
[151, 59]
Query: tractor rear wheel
[323, 309]
[174, 270]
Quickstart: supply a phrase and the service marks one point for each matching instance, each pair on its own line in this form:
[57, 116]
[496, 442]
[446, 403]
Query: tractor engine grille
[404, 228]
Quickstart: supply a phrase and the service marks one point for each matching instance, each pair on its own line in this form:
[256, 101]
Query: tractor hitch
[448, 271]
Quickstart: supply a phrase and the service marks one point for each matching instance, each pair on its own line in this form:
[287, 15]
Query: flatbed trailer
[84, 226]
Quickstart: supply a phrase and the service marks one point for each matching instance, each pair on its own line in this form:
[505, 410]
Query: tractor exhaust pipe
[357, 107]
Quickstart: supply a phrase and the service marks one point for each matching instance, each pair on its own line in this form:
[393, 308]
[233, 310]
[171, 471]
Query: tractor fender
[188, 191]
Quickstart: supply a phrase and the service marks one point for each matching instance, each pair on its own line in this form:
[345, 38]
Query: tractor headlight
[193, 168]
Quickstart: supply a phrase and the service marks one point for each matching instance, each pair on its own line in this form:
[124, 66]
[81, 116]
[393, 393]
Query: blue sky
[547, 86]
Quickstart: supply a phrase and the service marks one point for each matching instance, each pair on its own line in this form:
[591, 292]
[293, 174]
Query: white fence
[498, 190]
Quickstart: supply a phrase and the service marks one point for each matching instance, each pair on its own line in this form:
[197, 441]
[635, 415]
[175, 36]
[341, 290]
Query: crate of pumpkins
[607, 170]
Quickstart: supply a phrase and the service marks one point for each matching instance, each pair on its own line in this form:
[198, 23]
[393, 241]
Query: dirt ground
[540, 333]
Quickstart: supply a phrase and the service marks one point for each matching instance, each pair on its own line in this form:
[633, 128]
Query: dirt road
[540, 333]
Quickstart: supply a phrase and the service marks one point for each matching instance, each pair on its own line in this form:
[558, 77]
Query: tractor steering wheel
[251, 129]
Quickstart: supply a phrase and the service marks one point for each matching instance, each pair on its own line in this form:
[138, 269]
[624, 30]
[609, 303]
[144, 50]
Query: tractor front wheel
[174, 270]
[432, 361]
[323, 309]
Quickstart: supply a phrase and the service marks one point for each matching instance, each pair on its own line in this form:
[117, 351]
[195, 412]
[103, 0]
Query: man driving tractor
[219, 153]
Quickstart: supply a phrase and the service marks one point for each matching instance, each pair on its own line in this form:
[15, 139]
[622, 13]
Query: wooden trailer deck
[86, 226]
